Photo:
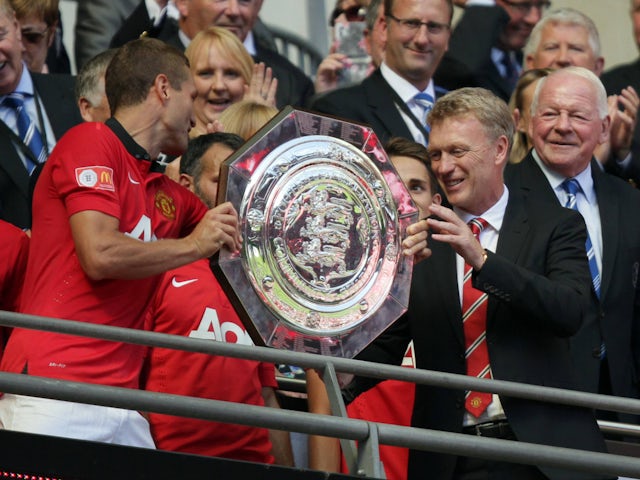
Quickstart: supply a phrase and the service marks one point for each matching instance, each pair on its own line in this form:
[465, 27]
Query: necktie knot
[477, 225]
[571, 186]
[14, 100]
[425, 101]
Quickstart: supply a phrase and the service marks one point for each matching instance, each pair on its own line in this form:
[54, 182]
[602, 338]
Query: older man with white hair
[569, 119]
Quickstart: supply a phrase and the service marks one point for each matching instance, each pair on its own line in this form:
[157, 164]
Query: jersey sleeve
[84, 170]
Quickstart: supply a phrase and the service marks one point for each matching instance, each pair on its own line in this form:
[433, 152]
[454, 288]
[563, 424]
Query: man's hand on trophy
[415, 243]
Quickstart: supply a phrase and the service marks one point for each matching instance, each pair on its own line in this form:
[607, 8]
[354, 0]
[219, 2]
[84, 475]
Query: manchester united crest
[165, 204]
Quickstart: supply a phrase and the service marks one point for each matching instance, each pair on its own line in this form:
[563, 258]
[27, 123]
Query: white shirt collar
[584, 178]
[403, 88]
[494, 216]
[250, 44]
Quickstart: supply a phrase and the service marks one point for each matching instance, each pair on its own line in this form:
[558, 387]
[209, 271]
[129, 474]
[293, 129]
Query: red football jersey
[91, 169]
[190, 302]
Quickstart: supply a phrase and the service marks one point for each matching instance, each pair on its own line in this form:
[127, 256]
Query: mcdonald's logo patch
[165, 204]
[100, 178]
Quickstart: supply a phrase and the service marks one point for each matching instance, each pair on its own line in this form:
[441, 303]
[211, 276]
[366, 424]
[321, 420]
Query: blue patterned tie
[572, 187]
[27, 130]
[426, 102]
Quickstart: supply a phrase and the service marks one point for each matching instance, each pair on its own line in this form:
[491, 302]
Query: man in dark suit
[294, 87]
[525, 273]
[417, 37]
[486, 45]
[51, 109]
[567, 37]
[569, 117]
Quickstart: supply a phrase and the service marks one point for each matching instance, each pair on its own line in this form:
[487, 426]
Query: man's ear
[186, 181]
[85, 109]
[161, 86]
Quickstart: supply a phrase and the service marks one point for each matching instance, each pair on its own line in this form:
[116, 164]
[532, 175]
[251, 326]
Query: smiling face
[416, 55]
[467, 162]
[219, 83]
[563, 45]
[10, 54]
[566, 125]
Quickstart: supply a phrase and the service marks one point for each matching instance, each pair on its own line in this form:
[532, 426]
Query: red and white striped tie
[474, 320]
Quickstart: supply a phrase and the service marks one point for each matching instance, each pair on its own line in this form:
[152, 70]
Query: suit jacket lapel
[512, 234]
[609, 222]
[380, 98]
[12, 164]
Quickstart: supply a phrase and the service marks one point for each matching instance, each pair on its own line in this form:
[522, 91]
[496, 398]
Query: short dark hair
[135, 66]
[191, 164]
[402, 147]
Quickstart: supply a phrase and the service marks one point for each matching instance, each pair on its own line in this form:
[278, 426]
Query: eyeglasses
[412, 25]
[525, 7]
[33, 36]
[353, 14]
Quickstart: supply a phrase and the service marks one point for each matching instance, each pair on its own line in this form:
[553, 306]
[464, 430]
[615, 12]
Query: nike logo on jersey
[178, 284]
[132, 180]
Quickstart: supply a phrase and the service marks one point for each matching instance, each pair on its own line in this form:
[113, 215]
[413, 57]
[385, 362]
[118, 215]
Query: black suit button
[595, 353]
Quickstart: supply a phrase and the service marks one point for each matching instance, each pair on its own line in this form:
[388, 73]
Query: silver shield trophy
[322, 214]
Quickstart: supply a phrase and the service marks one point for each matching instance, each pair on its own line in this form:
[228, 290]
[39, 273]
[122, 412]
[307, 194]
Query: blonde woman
[224, 73]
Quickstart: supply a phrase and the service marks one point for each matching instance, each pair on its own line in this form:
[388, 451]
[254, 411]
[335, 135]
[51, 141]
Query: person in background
[395, 99]
[567, 37]
[520, 106]
[89, 90]
[391, 401]
[240, 18]
[347, 16]
[246, 117]
[224, 74]
[36, 110]
[38, 22]
[190, 302]
[486, 45]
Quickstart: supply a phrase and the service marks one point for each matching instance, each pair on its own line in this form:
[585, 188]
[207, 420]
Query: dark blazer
[371, 102]
[616, 317]
[538, 286]
[56, 93]
[614, 81]
[468, 60]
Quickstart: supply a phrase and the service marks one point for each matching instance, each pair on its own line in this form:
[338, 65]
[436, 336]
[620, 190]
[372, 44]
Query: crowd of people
[519, 148]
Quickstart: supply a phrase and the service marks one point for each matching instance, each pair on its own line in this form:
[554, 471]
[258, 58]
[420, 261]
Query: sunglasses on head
[353, 14]
[33, 36]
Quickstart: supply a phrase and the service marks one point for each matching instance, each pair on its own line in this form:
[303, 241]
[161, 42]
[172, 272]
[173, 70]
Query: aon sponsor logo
[142, 231]
[210, 328]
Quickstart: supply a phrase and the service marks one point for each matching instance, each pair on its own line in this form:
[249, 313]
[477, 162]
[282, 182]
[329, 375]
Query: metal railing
[364, 460]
